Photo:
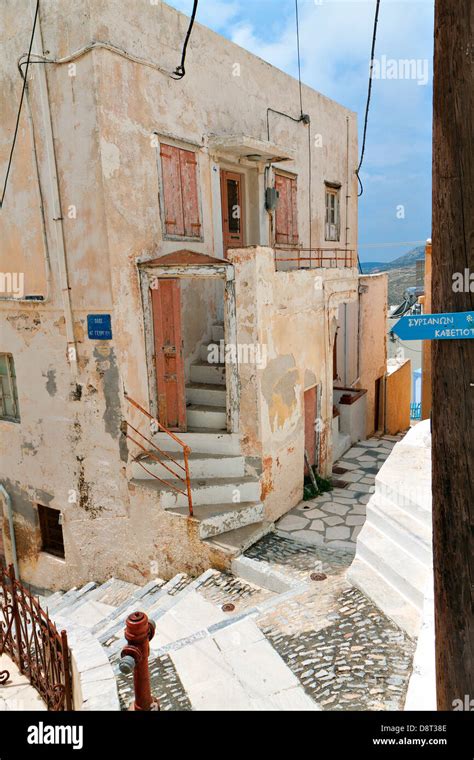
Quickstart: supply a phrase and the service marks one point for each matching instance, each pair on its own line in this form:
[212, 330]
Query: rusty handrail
[186, 479]
[345, 256]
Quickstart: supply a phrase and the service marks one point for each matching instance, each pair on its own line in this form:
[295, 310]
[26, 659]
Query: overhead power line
[17, 125]
[369, 93]
[180, 71]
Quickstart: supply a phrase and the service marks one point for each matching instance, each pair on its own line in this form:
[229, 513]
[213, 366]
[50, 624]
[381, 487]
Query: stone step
[239, 540]
[401, 528]
[386, 596]
[212, 374]
[221, 518]
[388, 497]
[89, 614]
[155, 607]
[206, 417]
[112, 626]
[210, 491]
[200, 443]
[206, 393]
[217, 331]
[393, 563]
[235, 669]
[200, 466]
[210, 351]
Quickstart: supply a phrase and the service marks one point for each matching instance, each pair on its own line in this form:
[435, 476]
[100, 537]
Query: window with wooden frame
[9, 409]
[180, 198]
[232, 197]
[333, 217]
[51, 531]
[286, 216]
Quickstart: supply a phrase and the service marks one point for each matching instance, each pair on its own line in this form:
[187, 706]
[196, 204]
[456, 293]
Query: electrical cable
[180, 71]
[369, 92]
[299, 57]
[17, 125]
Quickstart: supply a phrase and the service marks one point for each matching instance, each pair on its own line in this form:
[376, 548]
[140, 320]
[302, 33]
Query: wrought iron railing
[30, 638]
[309, 258]
[158, 455]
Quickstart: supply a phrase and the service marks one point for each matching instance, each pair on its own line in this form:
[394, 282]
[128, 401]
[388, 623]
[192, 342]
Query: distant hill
[405, 260]
[401, 272]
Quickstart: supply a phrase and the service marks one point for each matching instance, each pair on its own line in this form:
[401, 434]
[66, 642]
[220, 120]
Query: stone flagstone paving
[335, 519]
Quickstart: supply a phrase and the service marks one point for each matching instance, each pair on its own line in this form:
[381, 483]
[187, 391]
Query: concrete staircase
[393, 563]
[202, 658]
[206, 389]
[225, 497]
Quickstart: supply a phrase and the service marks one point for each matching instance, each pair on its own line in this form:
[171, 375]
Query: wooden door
[232, 194]
[166, 304]
[310, 414]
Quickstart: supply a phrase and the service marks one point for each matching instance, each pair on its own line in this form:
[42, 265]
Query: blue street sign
[449, 326]
[99, 327]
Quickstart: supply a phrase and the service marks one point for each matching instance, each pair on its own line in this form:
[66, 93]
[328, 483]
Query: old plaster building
[180, 245]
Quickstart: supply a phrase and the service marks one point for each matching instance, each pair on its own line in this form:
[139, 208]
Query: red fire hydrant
[139, 631]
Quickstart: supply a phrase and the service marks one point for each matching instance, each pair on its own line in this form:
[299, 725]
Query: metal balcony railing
[313, 258]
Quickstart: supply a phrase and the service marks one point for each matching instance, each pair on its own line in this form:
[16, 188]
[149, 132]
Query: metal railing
[30, 638]
[182, 475]
[309, 258]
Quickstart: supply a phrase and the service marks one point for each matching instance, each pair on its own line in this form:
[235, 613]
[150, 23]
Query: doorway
[168, 353]
[232, 196]
[310, 417]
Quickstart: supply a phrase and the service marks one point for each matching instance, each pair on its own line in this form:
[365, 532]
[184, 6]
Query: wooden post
[453, 360]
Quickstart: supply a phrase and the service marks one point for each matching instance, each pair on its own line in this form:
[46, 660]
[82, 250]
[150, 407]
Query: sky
[335, 42]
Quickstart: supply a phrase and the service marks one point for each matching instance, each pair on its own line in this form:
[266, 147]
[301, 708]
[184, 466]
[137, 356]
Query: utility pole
[453, 360]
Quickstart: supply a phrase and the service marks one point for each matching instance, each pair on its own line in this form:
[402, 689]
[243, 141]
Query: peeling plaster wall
[67, 451]
[288, 314]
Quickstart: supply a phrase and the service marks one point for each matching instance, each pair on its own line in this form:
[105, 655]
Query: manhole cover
[318, 576]
[229, 607]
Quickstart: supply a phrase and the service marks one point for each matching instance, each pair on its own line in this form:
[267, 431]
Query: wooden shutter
[286, 217]
[189, 193]
[172, 200]
[180, 191]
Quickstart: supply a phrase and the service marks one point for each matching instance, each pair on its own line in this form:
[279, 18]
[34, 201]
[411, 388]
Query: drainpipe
[52, 168]
[8, 502]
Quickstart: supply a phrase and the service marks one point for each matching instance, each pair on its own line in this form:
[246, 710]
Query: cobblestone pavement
[346, 654]
[335, 519]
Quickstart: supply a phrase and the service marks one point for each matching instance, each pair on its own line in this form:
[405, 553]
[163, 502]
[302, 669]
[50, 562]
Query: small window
[286, 217]
[333, 224]
[51, 531]
[9, 409]
[180, 205]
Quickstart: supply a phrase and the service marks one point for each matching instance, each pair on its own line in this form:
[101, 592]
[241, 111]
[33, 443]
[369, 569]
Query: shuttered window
[286, 218]
[333, 224]
[51, 531]
[180, 192]
[8, 393]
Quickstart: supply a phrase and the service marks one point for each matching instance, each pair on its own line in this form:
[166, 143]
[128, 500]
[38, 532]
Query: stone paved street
[335, 519]
[345, 652]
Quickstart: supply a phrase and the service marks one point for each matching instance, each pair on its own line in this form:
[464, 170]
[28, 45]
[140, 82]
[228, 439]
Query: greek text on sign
[450, 326]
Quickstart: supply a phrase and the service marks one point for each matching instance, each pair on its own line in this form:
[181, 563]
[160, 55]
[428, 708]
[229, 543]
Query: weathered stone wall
[292, 315]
